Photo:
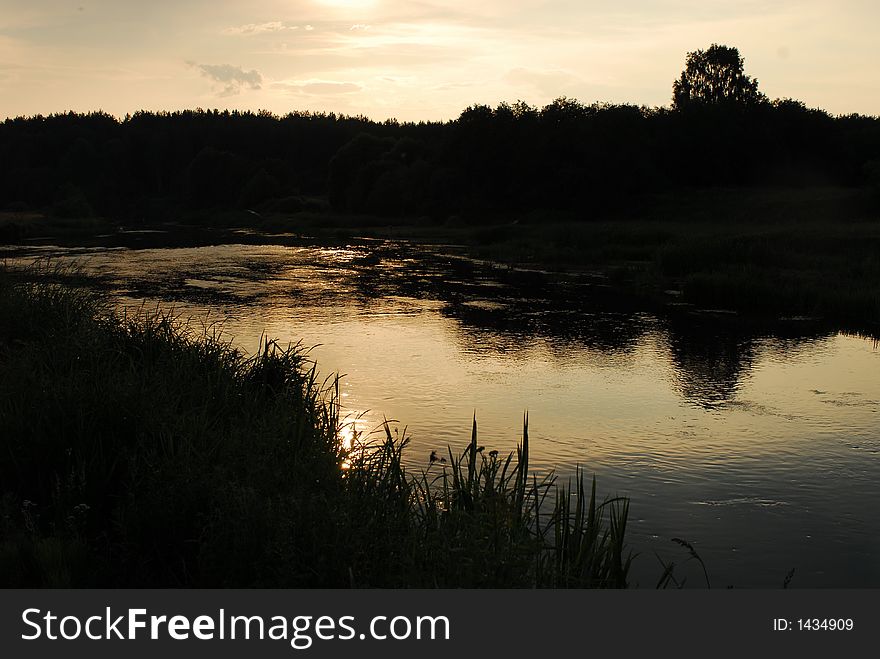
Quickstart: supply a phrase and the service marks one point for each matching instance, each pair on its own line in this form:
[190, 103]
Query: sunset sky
[419, 60]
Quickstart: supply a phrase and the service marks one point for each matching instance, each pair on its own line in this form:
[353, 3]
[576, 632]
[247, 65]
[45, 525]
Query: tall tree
[715, 76]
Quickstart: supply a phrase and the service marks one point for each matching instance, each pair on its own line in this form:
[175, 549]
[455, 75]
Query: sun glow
[347, 4]
[351, 434]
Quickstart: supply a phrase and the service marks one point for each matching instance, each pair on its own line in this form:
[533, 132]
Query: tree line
[566, 156]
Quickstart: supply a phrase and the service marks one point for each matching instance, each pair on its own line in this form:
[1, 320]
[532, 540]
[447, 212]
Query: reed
[142, 450]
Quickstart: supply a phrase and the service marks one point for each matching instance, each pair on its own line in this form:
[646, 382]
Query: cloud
[233, 78]
[259, 28]
[316, 87]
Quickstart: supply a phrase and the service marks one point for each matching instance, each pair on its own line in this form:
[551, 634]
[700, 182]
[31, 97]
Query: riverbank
[769, 254]
[765, 253]
[142, 451]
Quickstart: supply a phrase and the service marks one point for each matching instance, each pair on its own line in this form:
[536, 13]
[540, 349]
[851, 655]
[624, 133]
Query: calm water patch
[760, 446]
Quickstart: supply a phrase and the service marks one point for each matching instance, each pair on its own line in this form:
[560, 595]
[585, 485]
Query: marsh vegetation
[143, 451]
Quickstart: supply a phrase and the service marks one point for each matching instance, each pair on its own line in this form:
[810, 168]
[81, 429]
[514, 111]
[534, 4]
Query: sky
[419, 60]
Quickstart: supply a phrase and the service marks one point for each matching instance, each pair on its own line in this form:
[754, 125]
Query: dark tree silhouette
[715, 76]
[584, 160]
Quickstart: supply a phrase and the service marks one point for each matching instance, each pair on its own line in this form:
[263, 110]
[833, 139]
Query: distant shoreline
[763, 253]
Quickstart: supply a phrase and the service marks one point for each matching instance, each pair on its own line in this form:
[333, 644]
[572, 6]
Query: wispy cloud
[422, 59]
[319, 87]
[259, 28]
[232, 78]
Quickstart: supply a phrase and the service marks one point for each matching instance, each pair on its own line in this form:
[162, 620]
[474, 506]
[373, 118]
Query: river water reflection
[758, 445]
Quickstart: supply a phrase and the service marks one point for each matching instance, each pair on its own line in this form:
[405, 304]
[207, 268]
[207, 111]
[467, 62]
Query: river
[758, 444]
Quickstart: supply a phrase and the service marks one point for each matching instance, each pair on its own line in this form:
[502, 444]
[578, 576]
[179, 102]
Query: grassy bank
[765, 252]
[142, 451]
[21, 227]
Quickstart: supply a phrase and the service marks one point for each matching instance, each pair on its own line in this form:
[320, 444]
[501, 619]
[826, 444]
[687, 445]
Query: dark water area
[758, 443]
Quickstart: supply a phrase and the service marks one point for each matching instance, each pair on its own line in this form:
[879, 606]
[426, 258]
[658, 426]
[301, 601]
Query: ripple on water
[728, 436]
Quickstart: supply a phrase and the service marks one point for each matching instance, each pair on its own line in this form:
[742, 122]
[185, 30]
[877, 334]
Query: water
[759, 445]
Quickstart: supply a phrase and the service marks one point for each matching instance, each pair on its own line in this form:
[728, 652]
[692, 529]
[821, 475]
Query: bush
[139, 451]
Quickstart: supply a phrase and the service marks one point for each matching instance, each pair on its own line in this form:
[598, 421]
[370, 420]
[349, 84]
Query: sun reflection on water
[703, 426]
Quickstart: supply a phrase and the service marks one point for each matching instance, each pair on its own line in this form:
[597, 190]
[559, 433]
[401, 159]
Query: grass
[761, 253]
[139, 450]
[764, 252]
[21, 226]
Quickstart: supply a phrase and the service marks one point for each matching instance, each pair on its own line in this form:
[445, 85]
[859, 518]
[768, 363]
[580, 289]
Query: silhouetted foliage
[261, 187]
[71, 203]
[872, 177]
[584, 160]
[715, 76]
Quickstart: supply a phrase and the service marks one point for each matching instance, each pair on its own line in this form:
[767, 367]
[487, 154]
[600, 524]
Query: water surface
[758, 444]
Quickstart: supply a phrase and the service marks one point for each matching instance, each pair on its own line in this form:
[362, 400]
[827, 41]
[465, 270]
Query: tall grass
[139, 450]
